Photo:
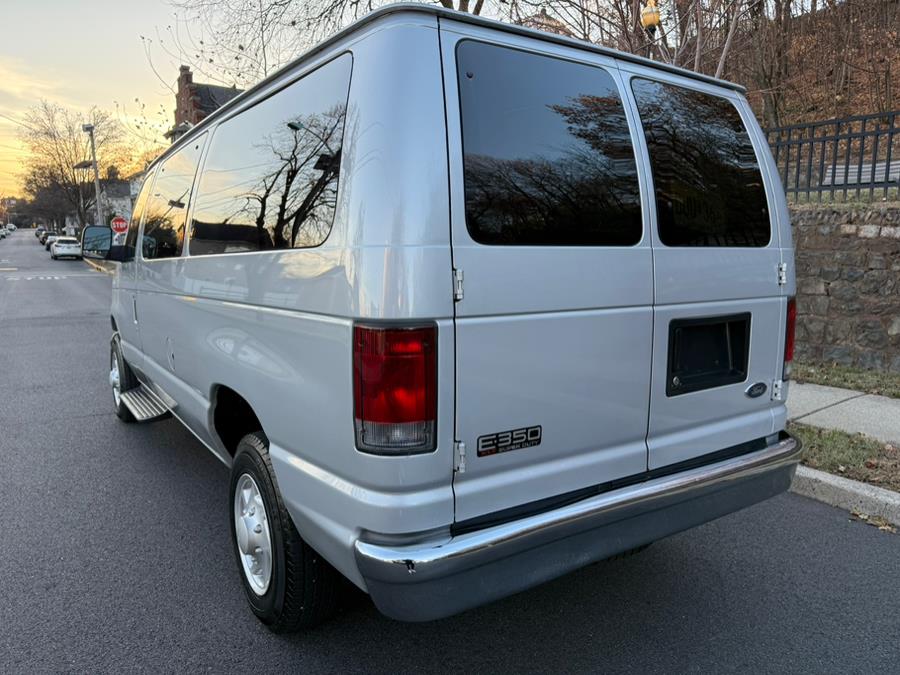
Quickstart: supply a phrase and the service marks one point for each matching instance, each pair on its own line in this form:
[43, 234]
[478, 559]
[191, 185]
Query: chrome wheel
[251, 529]
[114, 379]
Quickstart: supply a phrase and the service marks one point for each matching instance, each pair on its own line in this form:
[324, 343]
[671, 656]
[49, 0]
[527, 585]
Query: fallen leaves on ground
[853, 456]
[875, 521]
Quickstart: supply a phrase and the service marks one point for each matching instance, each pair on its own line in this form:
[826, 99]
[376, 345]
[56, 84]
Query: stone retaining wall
[848, 285]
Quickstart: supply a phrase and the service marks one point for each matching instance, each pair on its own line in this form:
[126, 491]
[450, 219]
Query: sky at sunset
[78, 53]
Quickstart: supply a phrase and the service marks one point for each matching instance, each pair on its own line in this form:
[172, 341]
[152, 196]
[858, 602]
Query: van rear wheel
[288, 585]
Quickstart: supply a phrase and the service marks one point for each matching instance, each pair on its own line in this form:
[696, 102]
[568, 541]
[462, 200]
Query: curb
[850, 495]
[99, 267]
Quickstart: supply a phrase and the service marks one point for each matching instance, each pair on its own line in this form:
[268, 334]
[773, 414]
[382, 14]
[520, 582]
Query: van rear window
[709, 190]
[547, 154]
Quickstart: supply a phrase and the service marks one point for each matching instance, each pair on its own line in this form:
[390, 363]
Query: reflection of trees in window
[293, 200]
[166, 208]
[709, 191]
[583, 193]
[164, 225]
[285, 197]
[270, 178]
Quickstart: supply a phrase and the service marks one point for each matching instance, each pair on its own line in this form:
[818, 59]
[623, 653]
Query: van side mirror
[101, 243]
[96, 242]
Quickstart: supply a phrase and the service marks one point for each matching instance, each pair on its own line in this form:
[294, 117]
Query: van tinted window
[136, 214]
[166, 209]
[709, 190]
[548, 158]
[271, 176]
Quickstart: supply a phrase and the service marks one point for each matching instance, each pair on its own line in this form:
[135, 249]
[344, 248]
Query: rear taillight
[789, 332]
[395, 388]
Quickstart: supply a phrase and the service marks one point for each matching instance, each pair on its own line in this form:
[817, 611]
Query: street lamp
[89, 130]
[86, 164]
[650, 17]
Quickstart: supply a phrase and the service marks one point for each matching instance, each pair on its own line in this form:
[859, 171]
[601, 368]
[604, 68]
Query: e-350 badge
[504, 441]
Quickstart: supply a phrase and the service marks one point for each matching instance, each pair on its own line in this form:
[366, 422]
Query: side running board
[144, 404]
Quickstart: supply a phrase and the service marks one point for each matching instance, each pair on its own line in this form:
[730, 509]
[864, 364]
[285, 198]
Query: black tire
[53, 257]
[127, 380]
[304, 589]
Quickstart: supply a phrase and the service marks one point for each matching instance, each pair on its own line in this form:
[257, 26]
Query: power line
[15, 121]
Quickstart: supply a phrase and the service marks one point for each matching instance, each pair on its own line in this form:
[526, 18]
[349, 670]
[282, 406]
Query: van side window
[140, 204]
[271, 176]
[709, 190]
[168, 203]
[547, 154]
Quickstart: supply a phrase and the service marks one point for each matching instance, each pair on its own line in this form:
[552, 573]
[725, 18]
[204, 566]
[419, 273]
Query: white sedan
[65, 247]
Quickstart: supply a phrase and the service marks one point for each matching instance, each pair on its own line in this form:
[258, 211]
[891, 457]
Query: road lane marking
[9, 269]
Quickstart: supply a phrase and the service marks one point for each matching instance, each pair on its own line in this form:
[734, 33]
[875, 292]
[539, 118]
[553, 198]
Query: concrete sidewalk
[845, 410]
[852, 412]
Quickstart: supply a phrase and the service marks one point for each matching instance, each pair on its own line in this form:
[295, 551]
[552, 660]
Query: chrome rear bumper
[437, 578]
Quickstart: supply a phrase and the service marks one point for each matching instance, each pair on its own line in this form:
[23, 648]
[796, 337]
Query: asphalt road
[115, 556]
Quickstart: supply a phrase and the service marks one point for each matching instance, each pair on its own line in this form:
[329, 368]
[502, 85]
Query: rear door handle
[134, 307]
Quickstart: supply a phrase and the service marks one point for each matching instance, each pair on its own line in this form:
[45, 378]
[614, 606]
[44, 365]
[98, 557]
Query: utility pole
[89, 130]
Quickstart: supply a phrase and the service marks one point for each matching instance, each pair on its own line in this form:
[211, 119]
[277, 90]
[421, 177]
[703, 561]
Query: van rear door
[719, 310]
[553, 328]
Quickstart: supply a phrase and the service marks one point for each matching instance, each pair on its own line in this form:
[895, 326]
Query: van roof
[439, 12]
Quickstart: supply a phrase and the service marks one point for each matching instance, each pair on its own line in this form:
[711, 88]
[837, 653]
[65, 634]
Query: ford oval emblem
[756, 390]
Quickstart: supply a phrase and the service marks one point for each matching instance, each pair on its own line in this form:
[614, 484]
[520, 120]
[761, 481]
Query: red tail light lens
[395, 388]
[790, 330]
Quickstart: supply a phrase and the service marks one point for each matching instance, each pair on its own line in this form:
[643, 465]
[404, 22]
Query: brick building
[194, 101]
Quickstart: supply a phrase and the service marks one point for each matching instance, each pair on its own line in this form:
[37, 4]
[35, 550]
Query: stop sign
[119, 225]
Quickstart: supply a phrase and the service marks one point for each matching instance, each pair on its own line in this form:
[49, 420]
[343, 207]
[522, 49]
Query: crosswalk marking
[44, 277]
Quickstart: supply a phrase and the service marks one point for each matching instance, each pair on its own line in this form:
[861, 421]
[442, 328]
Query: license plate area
[707, 352]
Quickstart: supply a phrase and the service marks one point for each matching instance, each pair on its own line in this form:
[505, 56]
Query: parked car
[43, 237]
[502, 304]
[65, 247]
[11, 227]
[49, 239]
[2, 233]
[39, 231]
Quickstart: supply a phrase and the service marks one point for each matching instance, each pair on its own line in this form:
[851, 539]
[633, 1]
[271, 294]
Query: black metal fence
[855, 157]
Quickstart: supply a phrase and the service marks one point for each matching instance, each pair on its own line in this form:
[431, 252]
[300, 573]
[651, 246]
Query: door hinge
[457, 284]
[777, 388]
[782, 274]
[460, 449]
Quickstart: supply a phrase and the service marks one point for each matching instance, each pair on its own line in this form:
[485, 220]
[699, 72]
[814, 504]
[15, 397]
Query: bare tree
[797, 57]
[242, 41]
[56, 143]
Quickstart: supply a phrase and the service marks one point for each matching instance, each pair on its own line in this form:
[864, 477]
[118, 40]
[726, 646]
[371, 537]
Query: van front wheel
[121, 379]
[288, 585]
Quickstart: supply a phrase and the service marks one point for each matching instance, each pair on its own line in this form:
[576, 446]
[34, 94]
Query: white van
[464, 306]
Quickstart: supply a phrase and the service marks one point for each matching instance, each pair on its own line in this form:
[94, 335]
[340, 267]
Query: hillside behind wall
[848, 285]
